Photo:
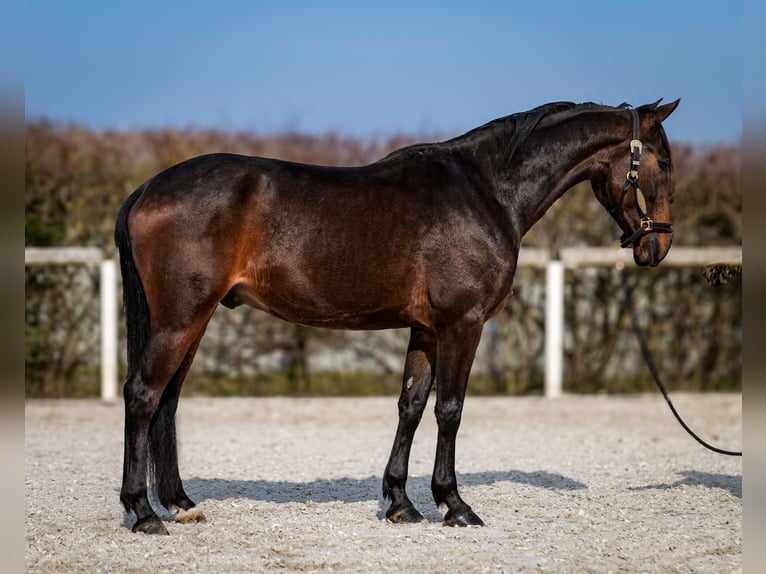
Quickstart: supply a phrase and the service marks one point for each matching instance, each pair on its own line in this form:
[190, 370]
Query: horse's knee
[413, 399]
[448, 414]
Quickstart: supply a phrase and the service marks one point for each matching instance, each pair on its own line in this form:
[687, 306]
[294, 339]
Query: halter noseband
[632, 183]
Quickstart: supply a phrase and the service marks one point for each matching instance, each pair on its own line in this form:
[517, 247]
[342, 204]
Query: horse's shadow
[350, 490]
[728, 482]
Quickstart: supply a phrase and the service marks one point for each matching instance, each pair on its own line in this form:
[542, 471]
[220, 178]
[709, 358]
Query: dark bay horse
[425, 238]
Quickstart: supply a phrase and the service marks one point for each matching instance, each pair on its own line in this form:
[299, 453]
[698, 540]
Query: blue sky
[378, 68]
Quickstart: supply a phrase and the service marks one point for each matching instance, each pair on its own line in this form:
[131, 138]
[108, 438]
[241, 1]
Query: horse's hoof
[466, 518]
[151, 525]
[404, 515]
[194, 514]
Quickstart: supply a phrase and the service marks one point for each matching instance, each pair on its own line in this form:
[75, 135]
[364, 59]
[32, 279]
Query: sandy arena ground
[578, 484]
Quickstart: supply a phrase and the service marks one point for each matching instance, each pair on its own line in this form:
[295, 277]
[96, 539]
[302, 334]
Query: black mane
[516, 127]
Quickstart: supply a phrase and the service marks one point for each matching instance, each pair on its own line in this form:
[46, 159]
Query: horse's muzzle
[650, 250]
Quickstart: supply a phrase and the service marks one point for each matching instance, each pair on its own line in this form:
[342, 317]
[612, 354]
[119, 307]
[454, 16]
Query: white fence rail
[108, 304]
[571, 257]
[574, 257]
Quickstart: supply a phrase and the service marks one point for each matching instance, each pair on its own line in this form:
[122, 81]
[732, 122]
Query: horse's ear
[664, 111]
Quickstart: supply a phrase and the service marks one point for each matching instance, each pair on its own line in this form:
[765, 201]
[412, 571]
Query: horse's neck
[551, 161]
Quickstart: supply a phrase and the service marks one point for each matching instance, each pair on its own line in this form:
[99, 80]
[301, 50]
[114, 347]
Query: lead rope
[653, 368]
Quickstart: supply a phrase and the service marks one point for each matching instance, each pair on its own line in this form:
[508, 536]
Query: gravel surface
[577, 484]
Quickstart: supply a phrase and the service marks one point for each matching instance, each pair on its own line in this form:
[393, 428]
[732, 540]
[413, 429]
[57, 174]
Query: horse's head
[635, 184]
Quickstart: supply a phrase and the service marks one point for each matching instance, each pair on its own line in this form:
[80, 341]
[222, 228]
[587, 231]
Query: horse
[426, 238]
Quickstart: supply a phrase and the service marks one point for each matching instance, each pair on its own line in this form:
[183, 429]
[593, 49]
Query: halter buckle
[635, 145]
[647, 224]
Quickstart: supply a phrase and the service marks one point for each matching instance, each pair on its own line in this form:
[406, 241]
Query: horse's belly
[328, 308]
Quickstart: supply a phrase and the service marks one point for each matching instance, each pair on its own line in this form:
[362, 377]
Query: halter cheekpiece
[647, 224]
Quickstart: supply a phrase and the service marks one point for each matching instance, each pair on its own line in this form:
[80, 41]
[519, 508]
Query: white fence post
[554, 328]
[108, 288]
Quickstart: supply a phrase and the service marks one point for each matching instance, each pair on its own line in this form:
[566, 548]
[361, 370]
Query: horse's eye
[664, 164]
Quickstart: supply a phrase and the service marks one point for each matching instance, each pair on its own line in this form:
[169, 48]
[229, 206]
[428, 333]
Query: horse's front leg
[416, 385]
[457, 348]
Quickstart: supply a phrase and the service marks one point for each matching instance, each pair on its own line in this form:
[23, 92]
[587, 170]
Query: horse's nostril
[653, 249]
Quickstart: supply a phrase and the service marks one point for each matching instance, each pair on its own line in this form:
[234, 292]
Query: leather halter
[647, 224]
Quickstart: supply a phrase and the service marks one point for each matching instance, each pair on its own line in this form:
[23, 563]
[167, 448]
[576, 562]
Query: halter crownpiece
[647, 224]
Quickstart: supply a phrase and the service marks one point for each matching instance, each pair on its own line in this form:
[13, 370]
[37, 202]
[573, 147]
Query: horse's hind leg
[163, 445]
[416, 384]
[160, 360]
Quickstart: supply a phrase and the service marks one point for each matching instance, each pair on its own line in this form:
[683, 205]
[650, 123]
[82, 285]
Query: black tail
[133, 296]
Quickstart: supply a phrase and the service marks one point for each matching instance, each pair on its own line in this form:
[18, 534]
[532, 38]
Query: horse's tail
[133, 296]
